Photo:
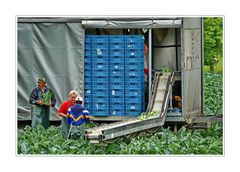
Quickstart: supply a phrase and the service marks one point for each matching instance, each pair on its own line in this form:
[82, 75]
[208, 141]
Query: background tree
[213, 40]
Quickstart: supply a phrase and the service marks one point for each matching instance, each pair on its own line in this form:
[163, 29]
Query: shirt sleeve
[61, 109]
[86, 116]
[53, 99]
[33, 97]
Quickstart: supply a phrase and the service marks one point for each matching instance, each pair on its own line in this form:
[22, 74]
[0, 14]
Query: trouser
[65, 127]
[77, 132]
[40, 115]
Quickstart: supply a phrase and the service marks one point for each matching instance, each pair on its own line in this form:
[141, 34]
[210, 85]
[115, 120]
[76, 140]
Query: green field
[163, 142]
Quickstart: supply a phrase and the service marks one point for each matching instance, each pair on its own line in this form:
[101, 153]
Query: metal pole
[202, 66]
[150, 61]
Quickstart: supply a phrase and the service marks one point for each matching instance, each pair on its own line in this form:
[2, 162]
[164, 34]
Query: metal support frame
[150, 62]
[202, 62]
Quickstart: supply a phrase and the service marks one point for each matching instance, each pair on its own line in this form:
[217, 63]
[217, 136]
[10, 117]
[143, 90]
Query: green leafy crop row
[213, 94]
[164, 141]
[202, 141]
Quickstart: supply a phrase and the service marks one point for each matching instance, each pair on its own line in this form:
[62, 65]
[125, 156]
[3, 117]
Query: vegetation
[202, 141]
[213, 94]
[213, 42]
[41, 141]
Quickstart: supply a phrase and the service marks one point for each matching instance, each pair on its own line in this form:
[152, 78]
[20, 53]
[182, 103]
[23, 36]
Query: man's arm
[33, 97]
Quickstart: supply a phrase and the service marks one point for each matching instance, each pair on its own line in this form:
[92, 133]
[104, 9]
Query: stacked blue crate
[88, 102]
[134, 74]
[114, 75]
[116, 67]
[100, 75]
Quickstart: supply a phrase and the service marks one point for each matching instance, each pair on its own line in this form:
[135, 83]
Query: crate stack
[116, 66]
[114, 75]
[100, 79]
[88, 98]
[134, 75]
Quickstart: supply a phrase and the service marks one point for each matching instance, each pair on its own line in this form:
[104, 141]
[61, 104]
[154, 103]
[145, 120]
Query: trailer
[55, 48]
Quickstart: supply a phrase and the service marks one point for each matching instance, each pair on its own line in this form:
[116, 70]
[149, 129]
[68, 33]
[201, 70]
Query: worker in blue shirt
[77, 117]
[42, 98]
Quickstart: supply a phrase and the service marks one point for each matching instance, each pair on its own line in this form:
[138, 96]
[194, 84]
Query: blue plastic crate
[133, 112]
[88, 72]
[95, 71]
[88, 52]
[133, 106]
[134, 46]
[134, 59]
[88, 88]
[100, 112]
[88, 98]
[117, 105]
[100, 74]
[117, 79]
[100, 92]
[88, 65]
[88, 38]
[134, 72]
[134, 38]
[116, 47]
[96, 57]
[116, 65]
[101, 78]
[134, 85]
[133, 99]
[100, 46]
[117, 112]
[100, 59]
[88, 85]
[88, 106]
[134, 65]
[116, 72]
[134, 92]
[99, 65]
[114, 39]
[117, 92]
[100, 98]
[87, 59]
[88, 78]
[136, 54]
[116, 99]
[87, 92]
[99, 51]
[98, 38]
[100, 85]
[88, 46]
[100, 42]
[116, 59]
[100, 105]
[116, 85]
[117, 52]
[134, 79]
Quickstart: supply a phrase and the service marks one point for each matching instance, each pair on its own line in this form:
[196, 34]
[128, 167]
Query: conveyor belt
[158, 103]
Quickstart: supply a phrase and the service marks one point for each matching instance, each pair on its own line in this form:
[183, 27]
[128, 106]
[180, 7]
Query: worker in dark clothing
[77, 117]
[42, 98]
[146, 74]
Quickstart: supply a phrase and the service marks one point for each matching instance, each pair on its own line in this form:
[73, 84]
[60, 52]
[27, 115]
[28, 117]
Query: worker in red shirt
[63, 110]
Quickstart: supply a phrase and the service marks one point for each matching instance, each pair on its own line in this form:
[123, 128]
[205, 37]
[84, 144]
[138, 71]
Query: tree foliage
[213, 39]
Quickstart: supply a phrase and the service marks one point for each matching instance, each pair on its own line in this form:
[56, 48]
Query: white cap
[78, 98]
